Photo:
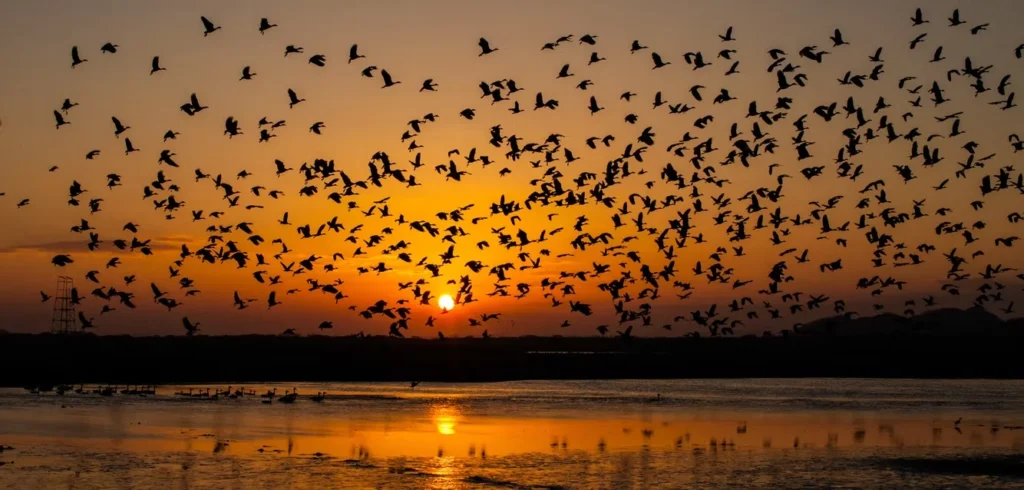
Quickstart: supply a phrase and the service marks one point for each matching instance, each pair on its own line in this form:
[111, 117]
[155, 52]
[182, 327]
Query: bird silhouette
[208, 27]
[388, 82]
[265, 25]
[60, 119]
[190, 328]
[657, 61]
[293, 99]
[155, 66]
[118, 127]
[318, 60]
[75, 59]
[485, 47]
[353, 53]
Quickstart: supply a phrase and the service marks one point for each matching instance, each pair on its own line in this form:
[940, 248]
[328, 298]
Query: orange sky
[416, 41]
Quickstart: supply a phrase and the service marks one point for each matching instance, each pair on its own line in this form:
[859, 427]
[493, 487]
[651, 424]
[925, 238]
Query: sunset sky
[415, 41]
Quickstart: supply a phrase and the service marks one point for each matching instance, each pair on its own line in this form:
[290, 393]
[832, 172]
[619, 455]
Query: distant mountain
[975, 321]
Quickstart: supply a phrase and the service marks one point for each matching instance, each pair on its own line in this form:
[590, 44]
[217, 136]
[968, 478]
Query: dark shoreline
[30, 360]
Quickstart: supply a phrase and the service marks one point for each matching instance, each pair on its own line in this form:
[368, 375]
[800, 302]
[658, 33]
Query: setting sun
[446, 302]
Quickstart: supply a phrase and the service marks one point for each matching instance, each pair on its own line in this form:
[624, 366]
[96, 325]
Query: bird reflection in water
[535, 434]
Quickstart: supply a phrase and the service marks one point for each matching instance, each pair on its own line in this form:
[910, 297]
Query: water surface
[803, 433]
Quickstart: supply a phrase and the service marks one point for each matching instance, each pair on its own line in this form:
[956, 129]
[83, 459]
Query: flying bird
[208, 27]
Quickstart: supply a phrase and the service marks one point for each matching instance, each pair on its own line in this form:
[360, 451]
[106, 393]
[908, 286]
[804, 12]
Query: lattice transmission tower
[63, 320]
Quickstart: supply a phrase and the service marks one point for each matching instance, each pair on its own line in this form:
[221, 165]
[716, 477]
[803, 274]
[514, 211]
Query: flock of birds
[771, 142]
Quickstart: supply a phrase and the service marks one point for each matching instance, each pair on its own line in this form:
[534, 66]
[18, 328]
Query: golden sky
[415, 41]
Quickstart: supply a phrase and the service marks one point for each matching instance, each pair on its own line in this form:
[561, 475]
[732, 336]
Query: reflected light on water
[605, 434]
[446, 426]
[444, 417]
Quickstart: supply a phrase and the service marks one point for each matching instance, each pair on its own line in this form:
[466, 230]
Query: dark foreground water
[838, 433]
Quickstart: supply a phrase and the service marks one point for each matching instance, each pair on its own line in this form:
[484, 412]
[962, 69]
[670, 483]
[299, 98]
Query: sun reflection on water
[445, 417]
[446, 426]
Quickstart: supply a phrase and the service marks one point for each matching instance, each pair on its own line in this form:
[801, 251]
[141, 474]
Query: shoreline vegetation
[946, 343]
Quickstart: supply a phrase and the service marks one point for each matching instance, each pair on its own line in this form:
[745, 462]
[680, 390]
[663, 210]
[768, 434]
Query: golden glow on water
[446, 426]
[444, 417]
[445, 436]
[452, 442]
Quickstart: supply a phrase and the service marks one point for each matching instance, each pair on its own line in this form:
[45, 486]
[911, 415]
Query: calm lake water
[532, 434]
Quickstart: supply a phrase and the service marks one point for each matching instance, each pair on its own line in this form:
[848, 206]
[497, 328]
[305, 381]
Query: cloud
[57, 246]
[68, 246]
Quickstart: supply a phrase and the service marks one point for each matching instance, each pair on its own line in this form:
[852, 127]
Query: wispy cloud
[173, 242]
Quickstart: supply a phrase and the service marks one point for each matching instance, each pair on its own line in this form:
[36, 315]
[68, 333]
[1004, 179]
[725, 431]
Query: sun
[446, 302]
